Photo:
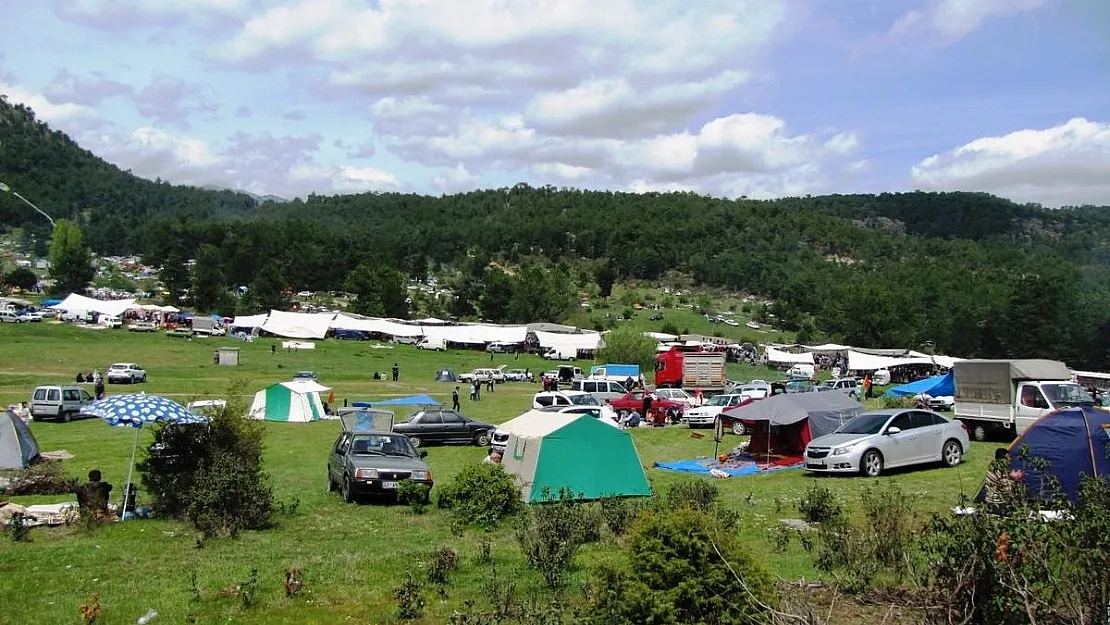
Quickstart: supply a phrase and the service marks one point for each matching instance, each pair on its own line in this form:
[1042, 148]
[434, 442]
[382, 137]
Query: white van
[801, 372]
[437, 345]
[110, 321]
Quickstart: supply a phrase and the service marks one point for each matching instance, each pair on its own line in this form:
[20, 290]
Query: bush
[210, 473]
[819, 505]
[414, 495]
[441, 563]
[410, 597]
[693, 494]
[687, 569]
[552, 532]
[619, 513]
[481, 494]
[43, 478]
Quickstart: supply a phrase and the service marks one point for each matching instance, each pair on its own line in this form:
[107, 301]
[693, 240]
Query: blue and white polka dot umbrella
[139, 409]
[136, 410]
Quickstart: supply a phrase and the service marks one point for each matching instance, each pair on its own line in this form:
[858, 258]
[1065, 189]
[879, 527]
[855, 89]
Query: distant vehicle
[519, 375]
[501, 437]
[110, 321]
[30, 317]
[305, 375]
[798, 386]
[615, 373]
[875, 441]
[754, 391]
[61, 403]
[547, 399]
[1011, 394]
[374, 463]
[141, 326]
[444, 426]
[501, 348]
[849, 386]
[10, 316]
[433, 344]
[656, 317]
[680, 367]
[634, 400]
[601, 389]
[801, 372]
[483, 375]
[560, 354]
[706, 414]
[679, 395]
[126, 373]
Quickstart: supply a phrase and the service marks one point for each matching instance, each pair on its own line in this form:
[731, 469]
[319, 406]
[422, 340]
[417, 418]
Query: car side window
[921, 419]
[903, 422]
[430, 418]
[40, 394]
[562, 401]
[545, 400]
[451, 417]
[341, 444]
[53, 395]
[85, 396]
[936, 419]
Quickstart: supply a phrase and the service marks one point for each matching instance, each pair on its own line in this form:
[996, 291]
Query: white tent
[779, 357]
[588, 340]
[827, 348]
[75, 303]
[298, 325]
[373, 324]
[249, 321]
[859, 361]
[477, 334]
[297, 401]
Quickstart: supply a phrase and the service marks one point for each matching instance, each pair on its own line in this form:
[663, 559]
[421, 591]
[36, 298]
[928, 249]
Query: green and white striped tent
[297, 401]
[558, 450]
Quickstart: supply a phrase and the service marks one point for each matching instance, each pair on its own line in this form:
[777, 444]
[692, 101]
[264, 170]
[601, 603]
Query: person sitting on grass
[493, 458]
[93, 495]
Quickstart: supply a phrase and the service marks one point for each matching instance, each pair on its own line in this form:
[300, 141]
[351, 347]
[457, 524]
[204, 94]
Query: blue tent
[412, 400]
[1073, 441]
[936, 386]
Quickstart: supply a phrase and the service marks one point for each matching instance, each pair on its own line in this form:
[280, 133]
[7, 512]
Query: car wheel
[415, 440]
[738, 428]
[871, 464]
[952, 453]
[979, 432]
[67, 417]
[345, 490]
[482, 439]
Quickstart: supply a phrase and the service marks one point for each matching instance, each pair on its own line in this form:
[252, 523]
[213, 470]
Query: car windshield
[718, 400]
[1067, 395]
[380, 445]
[864, 424]
[584, 400]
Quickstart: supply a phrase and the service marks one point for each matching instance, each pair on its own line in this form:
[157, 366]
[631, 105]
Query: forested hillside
[971, 273]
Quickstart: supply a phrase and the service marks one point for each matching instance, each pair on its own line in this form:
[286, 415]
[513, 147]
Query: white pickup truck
[1011, 394]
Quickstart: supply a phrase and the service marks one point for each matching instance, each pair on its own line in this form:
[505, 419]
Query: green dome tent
[560, 450]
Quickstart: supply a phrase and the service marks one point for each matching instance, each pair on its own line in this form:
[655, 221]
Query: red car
[634, 400]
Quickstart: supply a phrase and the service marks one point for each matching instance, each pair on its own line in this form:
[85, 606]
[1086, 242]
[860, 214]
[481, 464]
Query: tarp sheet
[411, 400]
[298, 325]
[826, 411]
[75, 303]
[859, 361]
[249, 322]
[780, 357]
[936, 386]
[586, 340]
[388, 327]
[827, 348]
[703, 466]
[477, 334]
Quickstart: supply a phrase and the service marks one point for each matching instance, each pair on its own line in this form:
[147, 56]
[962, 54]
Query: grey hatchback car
[875, 441]
[371, 462]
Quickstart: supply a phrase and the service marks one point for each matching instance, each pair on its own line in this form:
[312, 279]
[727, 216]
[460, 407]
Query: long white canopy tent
[75, 303]
[780, 357]
[584, 340]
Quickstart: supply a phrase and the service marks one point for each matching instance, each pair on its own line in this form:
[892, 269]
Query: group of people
[92, 377]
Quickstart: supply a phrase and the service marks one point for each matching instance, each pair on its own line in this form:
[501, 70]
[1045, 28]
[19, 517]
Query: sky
[731, 98]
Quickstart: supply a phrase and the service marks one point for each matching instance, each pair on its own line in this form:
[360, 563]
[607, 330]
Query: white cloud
[456, 180]
[947, 21]
[110, 14]
[1067, 164]
[46, 109]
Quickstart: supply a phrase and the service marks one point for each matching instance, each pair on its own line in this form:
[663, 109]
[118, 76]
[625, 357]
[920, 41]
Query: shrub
[413, 494]
[441, 562]
[409, 595]
[551, 533]
[481, 494]
[693, 494]
[619, 513]
[687, 569]
[42, 478]
[210, 473]
[18, 528]
[819, 505]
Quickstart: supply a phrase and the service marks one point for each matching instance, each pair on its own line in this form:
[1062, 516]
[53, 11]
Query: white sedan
[679, 395]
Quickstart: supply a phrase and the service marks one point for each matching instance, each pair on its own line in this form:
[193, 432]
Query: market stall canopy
[248, 321]
[79, 303]
[778, 356]
[586, 340]
[859, 361]
[298, 325]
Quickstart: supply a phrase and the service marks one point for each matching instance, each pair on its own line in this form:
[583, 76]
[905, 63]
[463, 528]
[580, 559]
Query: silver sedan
[884, 439]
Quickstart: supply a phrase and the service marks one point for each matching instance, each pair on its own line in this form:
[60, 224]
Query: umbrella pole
[130, 467]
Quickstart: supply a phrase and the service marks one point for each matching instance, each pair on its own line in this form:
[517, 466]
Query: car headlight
[366, 474]
[839, 451]
[421, 475]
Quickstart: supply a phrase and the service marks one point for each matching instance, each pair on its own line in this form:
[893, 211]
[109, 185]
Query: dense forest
[972, 274]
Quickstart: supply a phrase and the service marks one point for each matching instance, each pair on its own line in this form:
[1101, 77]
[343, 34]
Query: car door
[929, 436]
[71, 400]
[899, 448]
[338, 457]
[454, 427]
[429, 427]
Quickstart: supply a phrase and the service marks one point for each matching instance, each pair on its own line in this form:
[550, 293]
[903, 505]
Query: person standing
[99, 389]
[867, 386]
[477, 389]
[646, 405]
[396, 372]
[455, 399]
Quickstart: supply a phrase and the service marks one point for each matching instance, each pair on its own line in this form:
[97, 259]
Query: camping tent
[1074, 443]
[411, 400]
[784, 424]
[936, 386]
[18, 447]
[296, 401]
[551, 451]
[446, 375]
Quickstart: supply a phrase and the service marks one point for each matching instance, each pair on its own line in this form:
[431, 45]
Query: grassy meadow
[351, 555]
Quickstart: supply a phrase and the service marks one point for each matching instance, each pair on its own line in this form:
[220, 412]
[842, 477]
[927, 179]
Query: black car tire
[482, 438]
[345, 490]
[67, 417]
[871, 463]
[952, 453]
[415, 440]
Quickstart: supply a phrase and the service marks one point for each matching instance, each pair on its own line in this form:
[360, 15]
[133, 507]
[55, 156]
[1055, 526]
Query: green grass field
[351, 555]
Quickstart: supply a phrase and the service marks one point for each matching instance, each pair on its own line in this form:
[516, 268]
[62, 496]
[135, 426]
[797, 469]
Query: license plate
[816, 465]
[389, 484]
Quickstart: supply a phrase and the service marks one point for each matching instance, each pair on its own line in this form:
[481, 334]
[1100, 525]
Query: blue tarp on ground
[412, 400]
[936, 386]
[702, 466]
